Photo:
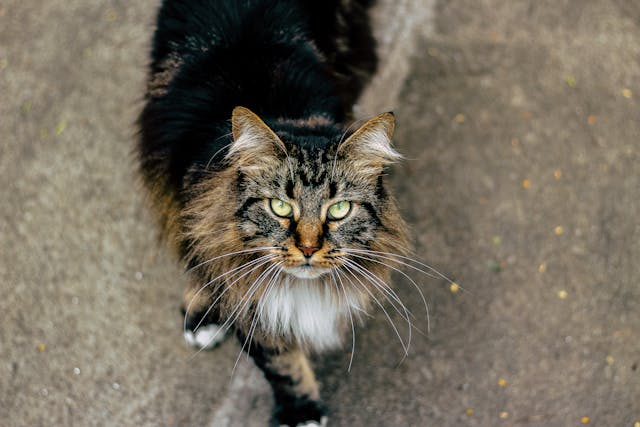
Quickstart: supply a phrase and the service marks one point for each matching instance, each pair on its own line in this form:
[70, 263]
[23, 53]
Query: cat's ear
[254, 143]
[370, 146]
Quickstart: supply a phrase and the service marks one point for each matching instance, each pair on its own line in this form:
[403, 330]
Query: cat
[277, 206]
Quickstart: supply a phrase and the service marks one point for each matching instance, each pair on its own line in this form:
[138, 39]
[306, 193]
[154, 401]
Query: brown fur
[209, 222]
[275, 277]
[160, 80]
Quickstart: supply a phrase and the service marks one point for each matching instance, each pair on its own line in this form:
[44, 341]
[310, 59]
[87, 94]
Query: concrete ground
[520, 124]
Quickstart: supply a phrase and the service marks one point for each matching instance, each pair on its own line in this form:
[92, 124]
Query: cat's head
[307, 190]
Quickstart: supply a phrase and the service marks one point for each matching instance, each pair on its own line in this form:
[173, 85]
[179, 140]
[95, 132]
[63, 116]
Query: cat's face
[311, 197]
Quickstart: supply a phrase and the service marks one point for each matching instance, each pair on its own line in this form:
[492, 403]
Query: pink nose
[308, 250]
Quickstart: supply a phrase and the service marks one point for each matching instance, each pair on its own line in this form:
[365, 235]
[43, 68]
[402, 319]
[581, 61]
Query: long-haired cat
[277, 206]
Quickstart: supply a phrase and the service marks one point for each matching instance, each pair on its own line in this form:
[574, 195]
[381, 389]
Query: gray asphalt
[520, 125]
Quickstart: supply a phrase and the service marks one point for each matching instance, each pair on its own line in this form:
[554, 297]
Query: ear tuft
[372, 142]
[252, 138]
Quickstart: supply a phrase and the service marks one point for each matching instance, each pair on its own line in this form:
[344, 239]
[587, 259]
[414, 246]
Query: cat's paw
[321, 423]
[205, 337]
[302, 413]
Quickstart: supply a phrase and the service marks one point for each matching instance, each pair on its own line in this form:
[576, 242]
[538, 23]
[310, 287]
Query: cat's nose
[308, 250]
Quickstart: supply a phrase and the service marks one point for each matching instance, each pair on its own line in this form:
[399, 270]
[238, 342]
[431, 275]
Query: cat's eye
[339, 210]
[281, 208]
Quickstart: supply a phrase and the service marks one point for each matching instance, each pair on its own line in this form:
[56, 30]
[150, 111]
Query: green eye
[339, 210]
[281, 208]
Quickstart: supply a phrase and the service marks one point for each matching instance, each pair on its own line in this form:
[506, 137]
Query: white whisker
[424, 301]
[387, 291]
[381, 306]
[254, 264]
[254, 322]
[353, 329]
[394, 257]
[220, 150]
[264, 248]
[231, 318]
[382, 286]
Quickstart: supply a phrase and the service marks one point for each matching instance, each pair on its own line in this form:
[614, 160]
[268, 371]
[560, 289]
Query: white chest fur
[311, 310]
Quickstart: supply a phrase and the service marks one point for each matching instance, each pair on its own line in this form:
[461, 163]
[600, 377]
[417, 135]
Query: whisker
[272, 284]
[232, 272]
[254, 288]
[221, 149]
[390, 292]
[264, 248]
[254, 324]
[231, 319]
[353, 329]
[380, 284]
[392, 257]
[259, 261]
[380, 305]
[415, 285]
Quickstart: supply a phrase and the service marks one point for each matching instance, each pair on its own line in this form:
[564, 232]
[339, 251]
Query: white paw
[205, 337]
[322, 423]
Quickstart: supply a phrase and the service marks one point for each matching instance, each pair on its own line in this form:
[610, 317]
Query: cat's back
[286, 43]
[283, 59]
[193, 27]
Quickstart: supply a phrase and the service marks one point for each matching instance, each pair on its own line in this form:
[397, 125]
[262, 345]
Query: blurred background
[520, 124]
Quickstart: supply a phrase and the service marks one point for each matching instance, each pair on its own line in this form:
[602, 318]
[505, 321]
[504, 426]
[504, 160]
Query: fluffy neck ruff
[312, 312]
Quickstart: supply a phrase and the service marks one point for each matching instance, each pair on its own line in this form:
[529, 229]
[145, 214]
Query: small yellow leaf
[60, 127]
[111, 15]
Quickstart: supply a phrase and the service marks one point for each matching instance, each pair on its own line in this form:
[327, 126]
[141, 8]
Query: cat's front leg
[202, 326]
[297, 399]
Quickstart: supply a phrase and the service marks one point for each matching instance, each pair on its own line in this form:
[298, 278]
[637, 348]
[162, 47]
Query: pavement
[520, 125]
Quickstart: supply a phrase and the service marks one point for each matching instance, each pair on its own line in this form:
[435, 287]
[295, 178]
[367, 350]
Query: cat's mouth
[306, 271]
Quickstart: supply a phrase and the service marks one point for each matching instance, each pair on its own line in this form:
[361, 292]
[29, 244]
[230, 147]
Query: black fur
[289, 61]
[290, 407]
[278, 58]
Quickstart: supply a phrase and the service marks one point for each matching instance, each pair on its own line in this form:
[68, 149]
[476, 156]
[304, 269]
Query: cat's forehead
[312, 170]
[315, 176]
[311, 159]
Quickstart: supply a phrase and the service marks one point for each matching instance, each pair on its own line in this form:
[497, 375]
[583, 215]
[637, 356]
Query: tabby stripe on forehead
[312, 178]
